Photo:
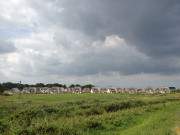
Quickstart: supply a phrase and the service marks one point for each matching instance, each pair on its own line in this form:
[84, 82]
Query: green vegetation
[90, 114]
[10, 85]
[2, 89]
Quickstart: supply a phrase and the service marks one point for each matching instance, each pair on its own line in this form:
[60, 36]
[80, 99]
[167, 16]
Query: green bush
[26, 132]
[94, 111]
[123, 105]
[94, 124]
[50, 130]
[3, 128]
[68, 131]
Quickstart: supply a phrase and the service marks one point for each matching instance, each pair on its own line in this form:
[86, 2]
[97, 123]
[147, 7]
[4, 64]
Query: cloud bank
[106, 43]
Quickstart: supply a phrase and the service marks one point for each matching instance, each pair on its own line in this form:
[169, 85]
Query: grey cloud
[152, 26]
[115, 61]
[158, 32]
[6, 47]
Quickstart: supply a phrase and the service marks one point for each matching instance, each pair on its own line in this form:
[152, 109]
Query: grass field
[90, 114]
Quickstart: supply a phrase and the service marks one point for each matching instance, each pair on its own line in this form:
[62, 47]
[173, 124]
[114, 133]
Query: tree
[2, 89]
[55, 85]
[78, 85]
[64, 86]
[39, 85]
[9, 85]
[90, 86]
[72, 86]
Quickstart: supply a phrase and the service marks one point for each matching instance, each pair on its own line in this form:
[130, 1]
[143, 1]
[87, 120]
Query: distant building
[15, 90]
[58, 90]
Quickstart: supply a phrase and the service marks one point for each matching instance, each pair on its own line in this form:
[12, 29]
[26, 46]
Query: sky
[124, 43]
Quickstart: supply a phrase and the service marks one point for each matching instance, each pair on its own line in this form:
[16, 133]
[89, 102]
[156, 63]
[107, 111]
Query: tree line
[10, 85]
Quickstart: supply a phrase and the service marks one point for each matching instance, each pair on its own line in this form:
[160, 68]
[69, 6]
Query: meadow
[90, 114]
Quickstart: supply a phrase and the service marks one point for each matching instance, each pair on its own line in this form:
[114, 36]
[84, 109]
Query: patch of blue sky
[13, 32]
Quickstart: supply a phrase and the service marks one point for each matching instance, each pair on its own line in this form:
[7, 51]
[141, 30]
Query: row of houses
[58, 90]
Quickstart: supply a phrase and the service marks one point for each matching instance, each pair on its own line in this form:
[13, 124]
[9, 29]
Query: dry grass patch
[177, 130]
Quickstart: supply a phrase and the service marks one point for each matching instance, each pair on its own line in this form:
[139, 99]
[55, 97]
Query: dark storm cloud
[150, 25]
[158, 32]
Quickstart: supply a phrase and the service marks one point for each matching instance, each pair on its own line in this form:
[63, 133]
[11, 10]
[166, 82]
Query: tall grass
[87, 114]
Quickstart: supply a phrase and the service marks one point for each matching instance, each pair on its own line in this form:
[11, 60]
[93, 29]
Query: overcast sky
[127, 43]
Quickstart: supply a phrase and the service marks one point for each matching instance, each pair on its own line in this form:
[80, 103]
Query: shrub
[26, 132]
[3, 128]
[49, 110]
[94, 111]
[68, 131]
[94, 124]
[25, 118]
[123, 105]
[125, 122]
[50, 130]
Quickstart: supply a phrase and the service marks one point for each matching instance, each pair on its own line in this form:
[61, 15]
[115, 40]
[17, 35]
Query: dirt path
[177, 130]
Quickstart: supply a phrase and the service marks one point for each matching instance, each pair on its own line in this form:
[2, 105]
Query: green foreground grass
[90, 114]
